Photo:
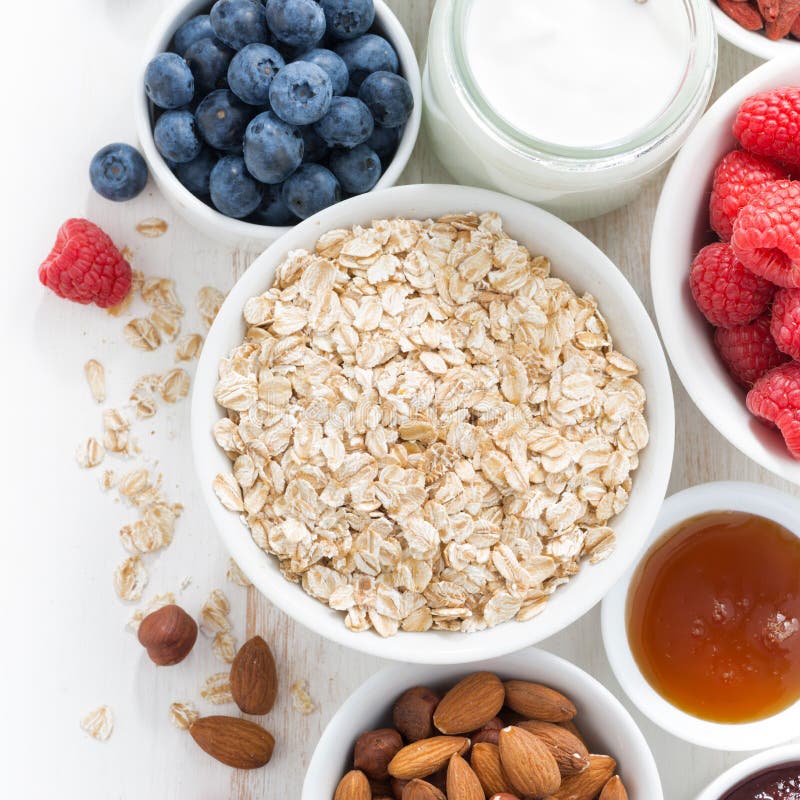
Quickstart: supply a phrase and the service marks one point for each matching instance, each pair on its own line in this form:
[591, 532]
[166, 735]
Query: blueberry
[118, 172]
[358, 170]
[195, 174]
[273, 149]
[168, 81]
[234, 191]
[347, 124]
[348, 18]
[209, 60]
[310, 189]
[192, 31]
[239, 22]
[300, 23]
[252, 71]
[176, 136]
[273, 210]
[332, 64]
[301, 93]
[314, 150]
[222, 118]
[384, 142]
[366, 55]
[388, 97]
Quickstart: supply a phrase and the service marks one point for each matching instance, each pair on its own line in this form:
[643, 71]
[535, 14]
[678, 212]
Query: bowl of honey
[704, 632]
[773, 774]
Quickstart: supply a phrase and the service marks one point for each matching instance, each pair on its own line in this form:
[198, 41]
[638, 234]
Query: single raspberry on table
[85, 266]
[749, 351]
[785, 326]
[728, 294]
[766, 234]
[768, 124]
[737, 178]
[776, 399]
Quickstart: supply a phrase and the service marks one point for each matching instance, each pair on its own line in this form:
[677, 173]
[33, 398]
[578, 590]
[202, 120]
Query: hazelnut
[374, 750]
[413, 713]
[168, 635]
[489, 732]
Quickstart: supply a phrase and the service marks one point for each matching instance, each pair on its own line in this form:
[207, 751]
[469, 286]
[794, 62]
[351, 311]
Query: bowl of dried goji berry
[765, 28]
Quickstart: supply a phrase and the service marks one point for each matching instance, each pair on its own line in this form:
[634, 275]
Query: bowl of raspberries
[255, 115]
[725, 266]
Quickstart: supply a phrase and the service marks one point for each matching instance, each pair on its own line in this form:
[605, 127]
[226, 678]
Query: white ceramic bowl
[728, 496]
[719, 788]
[601, 718]
[205, 218]
[679, 231]
[576, 260]
[754, 42]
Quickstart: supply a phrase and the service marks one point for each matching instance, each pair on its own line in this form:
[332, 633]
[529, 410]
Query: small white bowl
[752, 498]
[749, 768]
[755, 42]
[207, 219]
[576, 260]
[601, 718]
[680, 230]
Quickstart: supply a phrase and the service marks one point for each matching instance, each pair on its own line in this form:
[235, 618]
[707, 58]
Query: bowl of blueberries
[256, 115]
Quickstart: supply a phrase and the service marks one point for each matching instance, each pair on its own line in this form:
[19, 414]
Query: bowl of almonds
[433, 412]
[525, 726]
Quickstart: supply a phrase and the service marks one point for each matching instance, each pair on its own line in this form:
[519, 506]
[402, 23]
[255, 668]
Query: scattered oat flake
[224, 647]
[96, 378]
[108, 480]
[235, 575]
[217, 689]
[142, 334]
[301, 699]
[130, 578]
[174, 385]
[90, 453]
[156, 601]
[183, 715]
[214, 613]
[209, 301]
[189, 347]
[152, 227]
[185, 583]
[99, 723]
[143, 396]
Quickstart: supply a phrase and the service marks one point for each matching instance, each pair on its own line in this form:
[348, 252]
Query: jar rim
[696, 82]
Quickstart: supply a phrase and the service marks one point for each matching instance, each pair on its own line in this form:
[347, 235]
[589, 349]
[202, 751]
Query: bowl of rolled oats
[432, 412]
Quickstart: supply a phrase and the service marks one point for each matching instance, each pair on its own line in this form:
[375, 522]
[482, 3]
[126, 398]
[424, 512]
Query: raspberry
[84, 266]
[785, 327]
[766, 234]
[749, 351]
[728, 294]
[776, 398]
[737, 178]
[768, 123]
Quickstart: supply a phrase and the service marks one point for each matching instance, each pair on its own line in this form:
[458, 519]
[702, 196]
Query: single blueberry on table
[332, 64]
[195, 174]
[208, 59]
[347, 124]
[314, 150]
[192, 31]
[310, 189]
[273, 149]
[176, 136]
[168, 81]
[222, 119]
[234, 191]
[252, 71]
[384, 142]
[365, 55]
[301, 93]
[388, 97]
[358, 170]
[300, 23]
[348, 19]
[273, 211]
[239, 22]
[118, 172]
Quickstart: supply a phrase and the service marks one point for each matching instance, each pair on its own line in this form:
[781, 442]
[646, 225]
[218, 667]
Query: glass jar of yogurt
[569, 104]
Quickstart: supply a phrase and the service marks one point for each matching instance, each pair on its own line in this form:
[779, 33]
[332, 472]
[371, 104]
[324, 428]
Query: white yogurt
[578, 73]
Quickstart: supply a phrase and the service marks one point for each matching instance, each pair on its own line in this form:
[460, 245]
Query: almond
[354, 786]
[236, 742]
[535, 701]
[485, 760]
[570, 726]
[569, 752]
[470, 704]
[614, 790]
[421, 790]
[588, 784]
[254, 678]
[530, 766]
[423, 758]
[462, 782]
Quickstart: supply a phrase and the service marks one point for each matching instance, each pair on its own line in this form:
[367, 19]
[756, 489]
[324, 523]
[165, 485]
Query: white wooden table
[65, 649]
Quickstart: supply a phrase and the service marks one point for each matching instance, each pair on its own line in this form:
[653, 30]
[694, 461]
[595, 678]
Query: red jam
[781, 783]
